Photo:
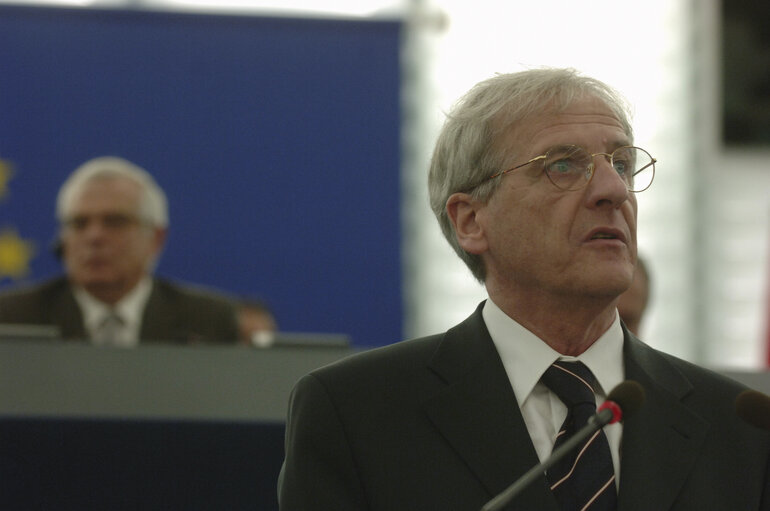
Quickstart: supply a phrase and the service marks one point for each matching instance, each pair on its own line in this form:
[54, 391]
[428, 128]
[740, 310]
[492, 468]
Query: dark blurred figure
[113, 221]
[256, 323]
[633, 302]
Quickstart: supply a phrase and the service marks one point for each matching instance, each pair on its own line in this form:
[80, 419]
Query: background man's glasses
[571, 167]
[109, 221]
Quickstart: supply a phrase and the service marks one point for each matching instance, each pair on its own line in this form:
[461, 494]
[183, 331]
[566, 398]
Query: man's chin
[616, 269]
[610, 282]
[96, 282]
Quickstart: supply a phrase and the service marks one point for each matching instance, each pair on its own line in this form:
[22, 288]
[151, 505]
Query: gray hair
[466, 153]
[153, 206]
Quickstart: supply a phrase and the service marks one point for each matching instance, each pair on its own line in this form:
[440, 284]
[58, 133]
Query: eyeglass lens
[571, 167]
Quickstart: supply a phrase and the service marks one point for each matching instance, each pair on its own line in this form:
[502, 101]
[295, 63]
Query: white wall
[734, 226]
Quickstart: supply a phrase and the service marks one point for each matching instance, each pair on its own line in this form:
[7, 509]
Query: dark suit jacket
[433, 423]
[173, 312]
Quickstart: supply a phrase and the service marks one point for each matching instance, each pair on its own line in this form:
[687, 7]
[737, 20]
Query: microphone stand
[595, 423]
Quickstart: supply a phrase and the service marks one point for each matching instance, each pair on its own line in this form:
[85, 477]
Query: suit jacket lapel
[66, 314]
[161, 321]
[660, 442]
[478, 415]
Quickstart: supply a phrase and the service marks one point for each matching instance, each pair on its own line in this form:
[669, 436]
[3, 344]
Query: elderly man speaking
[533, 181]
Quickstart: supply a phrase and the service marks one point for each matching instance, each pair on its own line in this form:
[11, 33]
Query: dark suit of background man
[113, 221]
[449, 421]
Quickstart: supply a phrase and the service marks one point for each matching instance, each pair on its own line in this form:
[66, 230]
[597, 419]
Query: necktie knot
[572, 382]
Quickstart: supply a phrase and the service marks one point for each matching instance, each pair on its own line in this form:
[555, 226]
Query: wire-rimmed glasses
[570, 167]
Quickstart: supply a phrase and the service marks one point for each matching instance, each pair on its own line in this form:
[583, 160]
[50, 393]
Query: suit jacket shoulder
[429, 423]
[184, 313]
[29, 303]
[47, 303]
[686, 441]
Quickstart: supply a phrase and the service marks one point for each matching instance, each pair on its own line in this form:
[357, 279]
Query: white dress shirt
[526, 357]
[130, 309]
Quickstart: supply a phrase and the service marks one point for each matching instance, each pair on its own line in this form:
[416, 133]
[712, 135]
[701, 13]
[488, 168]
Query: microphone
[57, 248]
[754, 407]
[624, 400]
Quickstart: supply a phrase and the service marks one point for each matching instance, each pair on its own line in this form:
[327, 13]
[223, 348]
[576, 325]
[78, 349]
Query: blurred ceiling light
[80, 3]
[356, 8]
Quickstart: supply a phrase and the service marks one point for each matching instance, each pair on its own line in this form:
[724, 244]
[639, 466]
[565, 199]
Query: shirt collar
[526, 357]
[130, 308]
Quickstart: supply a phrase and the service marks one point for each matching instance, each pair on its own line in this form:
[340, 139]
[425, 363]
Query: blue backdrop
[276, 140]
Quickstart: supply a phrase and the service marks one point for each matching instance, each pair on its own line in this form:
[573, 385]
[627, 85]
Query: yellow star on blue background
[15, 254]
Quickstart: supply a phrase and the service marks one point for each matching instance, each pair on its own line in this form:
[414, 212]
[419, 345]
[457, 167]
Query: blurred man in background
[113, 220]
[632, 304]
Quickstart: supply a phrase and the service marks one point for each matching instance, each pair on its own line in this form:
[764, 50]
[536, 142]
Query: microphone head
[754, 407]
[629, 396]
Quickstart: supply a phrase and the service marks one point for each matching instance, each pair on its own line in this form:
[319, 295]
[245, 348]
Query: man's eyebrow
[611, 146]
[621, 143]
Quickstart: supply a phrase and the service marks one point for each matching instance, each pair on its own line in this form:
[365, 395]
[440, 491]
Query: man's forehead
[578, 124]
[103, 196]
[111, 181]
[570, 122]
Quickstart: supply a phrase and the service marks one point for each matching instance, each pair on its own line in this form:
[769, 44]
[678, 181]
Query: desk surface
[154, 381]
[204, 382]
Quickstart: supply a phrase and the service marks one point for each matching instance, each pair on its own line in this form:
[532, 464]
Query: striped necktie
[585, 478]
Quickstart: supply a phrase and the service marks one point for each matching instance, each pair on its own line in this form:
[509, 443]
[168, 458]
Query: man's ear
[159, 239]
[463, 213]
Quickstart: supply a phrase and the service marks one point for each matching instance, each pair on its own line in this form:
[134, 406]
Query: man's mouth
[607, 233]
[603, 236]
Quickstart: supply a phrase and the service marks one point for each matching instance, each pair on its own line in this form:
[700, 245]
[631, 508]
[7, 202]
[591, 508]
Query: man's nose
[94, 228]
[607, 184]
